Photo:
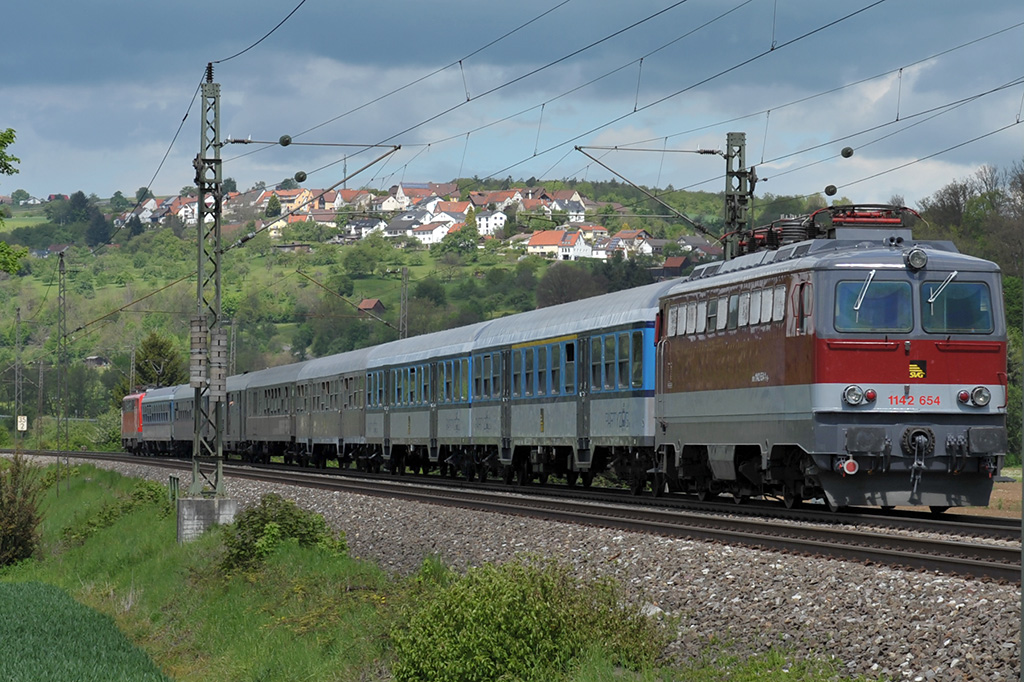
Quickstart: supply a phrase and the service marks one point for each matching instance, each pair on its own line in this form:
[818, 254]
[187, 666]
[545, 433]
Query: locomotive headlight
[981, 396]
[916, 258]
[853, 395]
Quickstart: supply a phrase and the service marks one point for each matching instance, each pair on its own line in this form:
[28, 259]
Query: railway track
[862, 537]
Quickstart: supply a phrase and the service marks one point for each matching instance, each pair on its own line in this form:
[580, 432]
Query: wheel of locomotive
[938, 509]
[481, 472]
[637, 483]
[571, 477]
[507, 474]
[587, 477]
[542, 478]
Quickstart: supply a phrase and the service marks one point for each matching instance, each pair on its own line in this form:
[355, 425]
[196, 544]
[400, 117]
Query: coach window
[542, 370]
[517, 373]
[624, 372]
[609, 361]
[463, 380]
[673, 320]
[595, 363]
[496, 377]
[528, 379]
[556, 369]
[446, 381]
[637, 375]
[478, 373]
[570, 367]
[485, 389]
[424, 384]
[734, 311]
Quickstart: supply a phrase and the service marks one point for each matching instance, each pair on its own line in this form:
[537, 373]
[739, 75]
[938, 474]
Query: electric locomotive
[131, 422]
[849, 364]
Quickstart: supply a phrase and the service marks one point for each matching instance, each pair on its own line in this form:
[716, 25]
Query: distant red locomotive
[131, 422]
[849, 364]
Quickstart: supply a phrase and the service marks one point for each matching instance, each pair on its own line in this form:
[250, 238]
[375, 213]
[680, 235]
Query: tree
[141, 194]
[7, 161]
[20, 195]
[135, 226]
[99, 230]
[229, 185]
[359, 261]
[158, 363]
[273, 207]
[118, 202]
[10, 258]
[565, 282]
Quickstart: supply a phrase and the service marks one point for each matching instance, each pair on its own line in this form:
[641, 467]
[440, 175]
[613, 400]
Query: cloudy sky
[924, 91]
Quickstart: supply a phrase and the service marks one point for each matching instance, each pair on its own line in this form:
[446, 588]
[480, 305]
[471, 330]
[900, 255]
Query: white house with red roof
[431, 233]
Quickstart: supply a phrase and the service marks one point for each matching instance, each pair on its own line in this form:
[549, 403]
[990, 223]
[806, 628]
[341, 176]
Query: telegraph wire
[268, 34]
[836, 89]
[933, 155]
[692, 86]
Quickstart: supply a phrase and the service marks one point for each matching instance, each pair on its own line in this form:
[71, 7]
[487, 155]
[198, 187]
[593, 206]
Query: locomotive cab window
[950, 307]
[870, 305]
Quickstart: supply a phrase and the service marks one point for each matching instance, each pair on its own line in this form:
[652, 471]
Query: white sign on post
[22, 422]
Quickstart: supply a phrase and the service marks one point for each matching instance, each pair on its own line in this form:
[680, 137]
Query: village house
[490, 222]
[371, 307]
[431, 233]
[574, 247]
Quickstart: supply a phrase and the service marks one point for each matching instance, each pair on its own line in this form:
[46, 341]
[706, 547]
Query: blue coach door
[434, 398]
[505, 453]
[583, 403]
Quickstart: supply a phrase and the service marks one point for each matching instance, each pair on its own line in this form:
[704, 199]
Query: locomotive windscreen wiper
[935, 294]
[863, 291]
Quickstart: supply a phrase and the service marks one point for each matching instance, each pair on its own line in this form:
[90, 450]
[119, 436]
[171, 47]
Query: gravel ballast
[877, 622]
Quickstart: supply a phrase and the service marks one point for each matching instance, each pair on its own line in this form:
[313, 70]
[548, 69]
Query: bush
[523, 620]
[143, 494]
[258, 530]
[20, 489]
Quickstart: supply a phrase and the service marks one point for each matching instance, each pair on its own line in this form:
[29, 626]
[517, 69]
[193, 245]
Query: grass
[304, 613]
[47, 635]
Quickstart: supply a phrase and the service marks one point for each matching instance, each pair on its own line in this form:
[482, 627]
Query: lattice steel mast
[208, 341]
